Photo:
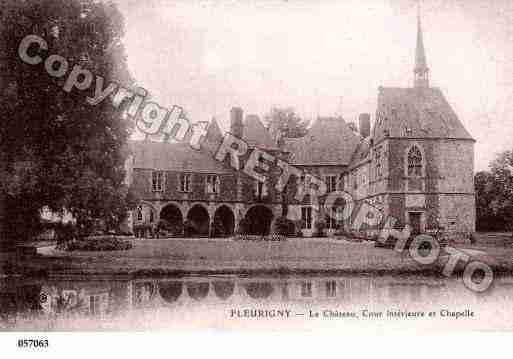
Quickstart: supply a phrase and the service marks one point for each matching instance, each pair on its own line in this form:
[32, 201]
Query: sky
[324, 57]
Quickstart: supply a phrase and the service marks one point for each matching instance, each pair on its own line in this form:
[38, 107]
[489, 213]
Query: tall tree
[286, 121]
[57, 150]
[494, 194]
[502, 171]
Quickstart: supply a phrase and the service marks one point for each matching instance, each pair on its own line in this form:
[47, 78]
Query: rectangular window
[185, 182]
[331, 183]
[212, 184]
[306, 289]
[331, 289]
[306, 217]
[157, 181]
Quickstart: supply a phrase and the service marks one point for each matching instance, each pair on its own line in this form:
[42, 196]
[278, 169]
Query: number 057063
[33, 343]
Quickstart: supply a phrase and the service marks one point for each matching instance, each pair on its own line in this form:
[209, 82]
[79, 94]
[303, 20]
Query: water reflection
[198, 291]
[79, 297]
[223, 289]
[170, 291]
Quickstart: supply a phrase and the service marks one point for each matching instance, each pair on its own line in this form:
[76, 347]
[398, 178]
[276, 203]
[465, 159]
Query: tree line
[494, 195]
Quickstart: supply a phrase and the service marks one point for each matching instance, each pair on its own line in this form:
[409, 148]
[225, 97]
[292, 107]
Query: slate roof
[416, 113]
[212, 139]
[255, 134]
[361, 154]
[329, 141]
[174, 157]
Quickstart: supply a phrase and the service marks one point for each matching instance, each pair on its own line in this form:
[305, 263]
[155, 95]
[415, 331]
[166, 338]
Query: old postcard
[335, 166]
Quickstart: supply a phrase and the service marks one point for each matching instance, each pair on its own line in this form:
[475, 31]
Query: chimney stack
[364, 124]
[236, 125]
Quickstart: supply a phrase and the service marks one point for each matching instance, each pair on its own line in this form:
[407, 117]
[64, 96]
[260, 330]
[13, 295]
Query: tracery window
[414, 162]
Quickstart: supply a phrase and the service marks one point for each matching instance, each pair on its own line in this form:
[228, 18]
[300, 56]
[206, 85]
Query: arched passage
[224, 222]
[258, 220]
[171, 221]
[198, 222]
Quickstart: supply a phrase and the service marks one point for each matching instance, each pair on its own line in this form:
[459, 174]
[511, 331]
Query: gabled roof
[177, 156]
[255, 134]
[213, 138]
[329, 141]
[361, 154]
[416, 113]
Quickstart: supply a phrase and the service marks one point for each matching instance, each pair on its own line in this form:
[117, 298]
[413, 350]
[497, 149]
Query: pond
[350, 302]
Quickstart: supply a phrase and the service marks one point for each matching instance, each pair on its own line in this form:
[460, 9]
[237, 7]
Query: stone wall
[458, 212]
[455, 162]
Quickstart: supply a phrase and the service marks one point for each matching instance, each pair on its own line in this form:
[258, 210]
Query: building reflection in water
[115, 296]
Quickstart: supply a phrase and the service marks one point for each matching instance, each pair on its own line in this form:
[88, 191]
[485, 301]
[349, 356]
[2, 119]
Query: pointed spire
[421, 70]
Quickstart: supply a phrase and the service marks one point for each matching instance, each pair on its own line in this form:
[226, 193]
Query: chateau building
[415, 164]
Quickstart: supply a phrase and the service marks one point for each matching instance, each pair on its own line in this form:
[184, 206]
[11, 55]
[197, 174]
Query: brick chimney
[236, 125]
[364, 124]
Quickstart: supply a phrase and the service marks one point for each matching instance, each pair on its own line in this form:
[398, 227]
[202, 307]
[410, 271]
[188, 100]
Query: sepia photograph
[334, 166]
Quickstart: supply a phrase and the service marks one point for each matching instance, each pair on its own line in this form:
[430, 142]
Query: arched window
[414, 162]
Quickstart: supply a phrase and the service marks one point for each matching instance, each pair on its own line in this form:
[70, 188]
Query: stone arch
[258, 219]
[198, 222]
[171, 220]
[224, 222]
[170, 291]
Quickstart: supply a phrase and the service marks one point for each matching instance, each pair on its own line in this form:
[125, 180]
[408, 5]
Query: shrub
[284, 226]
[97, 243]
[258, 238]
[319, 228]
[275, 238]
[65, 232]
[247, 237]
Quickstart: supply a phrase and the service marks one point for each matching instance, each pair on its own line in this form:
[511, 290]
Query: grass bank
[204, 256]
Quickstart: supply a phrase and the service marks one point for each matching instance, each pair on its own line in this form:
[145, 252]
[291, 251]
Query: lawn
[170, 256]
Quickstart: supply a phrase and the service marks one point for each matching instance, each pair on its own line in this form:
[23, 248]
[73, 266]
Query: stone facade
[415, 164]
